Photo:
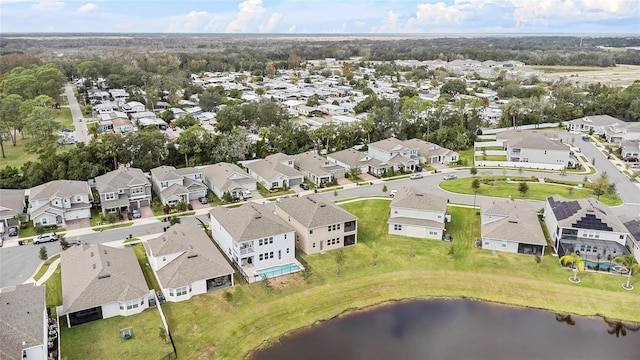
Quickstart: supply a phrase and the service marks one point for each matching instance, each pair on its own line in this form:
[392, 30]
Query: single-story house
[275, 171]
[511, 226]
[316, 168]
[351, 158]
[224, 177]
[11, 204]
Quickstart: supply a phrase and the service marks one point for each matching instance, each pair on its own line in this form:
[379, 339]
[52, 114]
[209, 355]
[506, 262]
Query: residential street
[82, 133]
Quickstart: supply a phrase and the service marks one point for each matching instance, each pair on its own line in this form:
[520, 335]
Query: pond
[458, 329]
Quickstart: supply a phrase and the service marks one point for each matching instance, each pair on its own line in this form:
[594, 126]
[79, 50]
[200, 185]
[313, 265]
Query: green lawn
[266, 193]
[480, 148]
[466, 158]
[113, 226]
[211, 325]
[16, 155]
[101, 339]
[65, 119]
[146, 268]
[45, 266]
[537, 191]
[491, 158]
[53, 287]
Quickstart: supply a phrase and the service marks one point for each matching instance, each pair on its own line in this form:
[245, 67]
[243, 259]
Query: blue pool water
[603, 266]
[278, 270]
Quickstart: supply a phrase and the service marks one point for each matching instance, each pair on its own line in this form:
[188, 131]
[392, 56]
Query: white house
[316, 168]
[224, 177]
[133, 106]
[511, 226]
[351, 158]
[394, 152]
[99, 282]
[418, 214]
[258, 243]
[275, 171]
[593, 123]
[177, 185]
[187, 263]
[59, 201]
[430, 153]
[24, 323]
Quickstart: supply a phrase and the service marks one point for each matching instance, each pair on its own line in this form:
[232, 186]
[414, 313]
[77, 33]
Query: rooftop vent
[192, 256]
[108, 263]
[323, 205]
[92, 254]
[104, 276]
[419, 194]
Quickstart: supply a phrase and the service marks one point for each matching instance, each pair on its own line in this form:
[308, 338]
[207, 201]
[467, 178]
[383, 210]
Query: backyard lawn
[101, 339]
[537, 191]
[149, 276]
[383, 268]
[53, 287]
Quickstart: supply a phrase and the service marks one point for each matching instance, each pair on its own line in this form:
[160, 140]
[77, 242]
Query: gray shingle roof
[59, 188]
[584, 213]
[21, 319]
[313, 211]
[316, 164]
[514, 220]
[270, 169]
[411, 198]
[390, 144]
[249, 222]
[165, 173]
[530, 140]
[225, 176]
[11, 202]
[122, 178]
[93, 275]
[199, 258]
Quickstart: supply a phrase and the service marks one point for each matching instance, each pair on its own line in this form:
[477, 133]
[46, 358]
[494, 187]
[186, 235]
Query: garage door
[144, 203]
[295, 182]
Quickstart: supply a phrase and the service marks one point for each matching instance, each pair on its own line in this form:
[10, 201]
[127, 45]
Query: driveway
[195, 205]
[78, 224]
[146, 212]
[367, 177]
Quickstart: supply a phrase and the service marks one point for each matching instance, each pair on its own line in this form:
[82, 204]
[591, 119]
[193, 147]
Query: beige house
[418, 214]
[319, 225]
[511, 226]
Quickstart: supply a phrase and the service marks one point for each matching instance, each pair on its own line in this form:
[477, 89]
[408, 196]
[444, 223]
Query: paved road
[18, 263]
[82, 133]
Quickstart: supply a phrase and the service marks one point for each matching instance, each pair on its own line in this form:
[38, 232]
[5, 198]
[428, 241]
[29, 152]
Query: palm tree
[577, 263]
[629, 263]
[619, 328]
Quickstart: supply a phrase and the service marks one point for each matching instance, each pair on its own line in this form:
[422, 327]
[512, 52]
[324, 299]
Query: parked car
[630, 159]
[586, 138]
[304, 186]
[415, 176]
[136, 213]
[45, 238]
[247, 194]
[13, 231]
[203, 200]
[450, 177]
[392, 193]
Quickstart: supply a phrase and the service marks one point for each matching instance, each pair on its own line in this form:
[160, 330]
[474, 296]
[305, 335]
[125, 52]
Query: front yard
[382, 268]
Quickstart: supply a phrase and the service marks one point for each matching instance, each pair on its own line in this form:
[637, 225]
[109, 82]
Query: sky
[322, 16]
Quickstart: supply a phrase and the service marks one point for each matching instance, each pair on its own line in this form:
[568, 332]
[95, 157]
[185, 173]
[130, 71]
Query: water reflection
[458, 329]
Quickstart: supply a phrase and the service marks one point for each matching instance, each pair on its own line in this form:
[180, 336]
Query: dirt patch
[289, 280]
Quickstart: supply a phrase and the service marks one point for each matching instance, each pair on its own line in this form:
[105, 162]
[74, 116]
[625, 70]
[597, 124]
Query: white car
[415, 176]
[246, 194]
[392, 193]
[45, 238]
[450, 177]
[136, 213]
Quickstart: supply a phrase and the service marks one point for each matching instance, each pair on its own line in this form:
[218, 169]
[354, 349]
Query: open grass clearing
[536, 191]
[101, 339]
[211, 325]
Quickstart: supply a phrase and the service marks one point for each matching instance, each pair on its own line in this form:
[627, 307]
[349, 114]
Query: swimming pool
[604, 266]
[278, 270]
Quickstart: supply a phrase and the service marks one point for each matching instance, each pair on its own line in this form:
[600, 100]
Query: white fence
[526, 165]
[522, 127]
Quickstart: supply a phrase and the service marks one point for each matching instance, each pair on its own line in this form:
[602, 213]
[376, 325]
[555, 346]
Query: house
[99, 282]
[429, 153]
[122, 126]
[309, 110]
[351, 158]
[177, 185]
[187, 263]
[133, 107]
[586, 227]
[511, 226]
[259, 244]
[227, 178]
[275, 171]
[595, 124]
[24, 330]
[11, 204]
[418, 214]
[105, 107]
[332, 110]
[59, 201]
[123, 190]
[633, 227]
[527, 149]
[630, 149]
[316, 168]
[96, 95]
[617, 133]
[319, 225]
[395, 153]
[119, 95]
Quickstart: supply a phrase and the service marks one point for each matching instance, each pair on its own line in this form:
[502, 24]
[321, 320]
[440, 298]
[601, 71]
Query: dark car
[13, 231]
[203, 200]
[630, 159]
[304, 186]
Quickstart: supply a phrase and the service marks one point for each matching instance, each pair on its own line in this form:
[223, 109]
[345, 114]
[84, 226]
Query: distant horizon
[434, 35]
[304, 17]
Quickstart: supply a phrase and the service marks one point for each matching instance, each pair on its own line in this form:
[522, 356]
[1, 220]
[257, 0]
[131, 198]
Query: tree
[313, 100]
[39, 122]
[185, 121]
[601, 185]
[523, 188]
[473, 171]
[339, 258]
[384, 188]
[629, 262]
[43, 253]
[575, 261]
[354, 172]
[454, 87]
[537, 259]
[475, 185]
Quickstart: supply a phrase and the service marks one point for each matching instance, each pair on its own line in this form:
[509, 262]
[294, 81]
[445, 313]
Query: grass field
[231, 326]
[53, 287]
[537, 191]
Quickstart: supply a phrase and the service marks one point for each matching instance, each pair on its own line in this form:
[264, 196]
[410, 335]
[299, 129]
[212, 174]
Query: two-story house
[123, 190]
[59, 201]
[429, 153]
[395, 153]
[319, 225]
[586, 227]
[224, 178]
[187, 263]
[256, 241]
[511, 226]
[177, 185]
[418, 214]
[275, 171]
[316, 168]
[532, 149]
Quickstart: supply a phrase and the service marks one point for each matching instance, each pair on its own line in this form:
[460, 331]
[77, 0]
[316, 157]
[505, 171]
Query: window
[260, 257]
[198, 176]
[395, 211]
[109, 196]
[274, 184]
[132, 304]
[621, 237]
[260, 242]
[164, 184]
[486, 243]
[44, 221]
[181, 291]
[311, 232]
[138, 190]
[287, 250]
[314, 244]
[271, 255]
[170, 292]
[78, 198]
[397, 227]
[285, 236]
[504, 244]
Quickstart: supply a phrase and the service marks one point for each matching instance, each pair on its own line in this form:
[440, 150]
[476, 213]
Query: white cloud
[249, 10]
[273, 21]
[192, 22]
[359, 24]
[48, 6]
[389, 24]
[437, 13]
[87, 8]
[291, 29]
[533, 11]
